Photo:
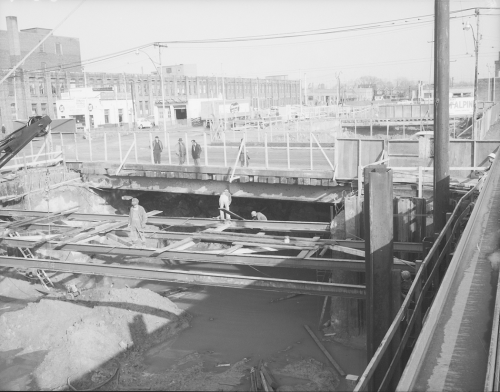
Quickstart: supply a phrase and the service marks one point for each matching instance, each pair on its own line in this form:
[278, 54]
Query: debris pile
[85, 334]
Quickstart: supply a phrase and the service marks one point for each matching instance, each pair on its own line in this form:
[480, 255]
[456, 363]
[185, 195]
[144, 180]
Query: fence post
[120, 146]
[288, 149]
[62, 144]
[151, 147]
[420, 181]
[265, 150]
[31, 146]
[187, 148]
[135, 148]
[311, 149]
[206, 149]
[271, 128]
[225, 151]
[167, 143]
[76, 147]
[355, 126]
[387, 129]
[371, 126]
[105, 147]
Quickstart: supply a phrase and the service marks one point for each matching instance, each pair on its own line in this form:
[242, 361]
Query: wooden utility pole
[378, 211]
[476, 52]
[441, 113]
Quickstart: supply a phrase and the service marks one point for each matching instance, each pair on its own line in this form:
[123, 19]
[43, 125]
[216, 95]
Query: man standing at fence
[225, 202]
[181, 152]
[196, 152]
[137, 222]
[157, 149]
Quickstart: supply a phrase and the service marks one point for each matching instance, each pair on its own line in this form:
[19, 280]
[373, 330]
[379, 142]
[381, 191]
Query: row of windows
[58, 48]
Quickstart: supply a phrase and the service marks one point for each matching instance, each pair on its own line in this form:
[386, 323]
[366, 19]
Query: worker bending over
[225, 202]
[137, 222]
[258, 216]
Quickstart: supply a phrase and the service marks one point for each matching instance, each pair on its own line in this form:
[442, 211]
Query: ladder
[40, 273]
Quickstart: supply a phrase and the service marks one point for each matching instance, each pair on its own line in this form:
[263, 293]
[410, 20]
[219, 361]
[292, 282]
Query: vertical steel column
[441, 113]
[378, 211]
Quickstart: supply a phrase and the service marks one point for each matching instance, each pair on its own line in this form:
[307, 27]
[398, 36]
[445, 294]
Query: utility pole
[160, 72]
[305, 89]
[133, 101]
[476, 51]
[441, 112]
[126, 100]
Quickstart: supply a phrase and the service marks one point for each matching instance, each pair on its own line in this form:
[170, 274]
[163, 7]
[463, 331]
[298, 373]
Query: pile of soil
[86, 334]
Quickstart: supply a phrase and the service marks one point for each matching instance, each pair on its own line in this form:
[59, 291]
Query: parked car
[144, 123]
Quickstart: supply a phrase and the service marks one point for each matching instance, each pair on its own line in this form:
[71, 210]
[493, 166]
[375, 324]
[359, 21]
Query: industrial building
[36, 87]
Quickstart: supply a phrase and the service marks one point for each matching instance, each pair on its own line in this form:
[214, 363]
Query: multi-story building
[36, 91]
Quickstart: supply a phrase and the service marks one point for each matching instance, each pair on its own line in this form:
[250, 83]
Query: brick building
[35, 91]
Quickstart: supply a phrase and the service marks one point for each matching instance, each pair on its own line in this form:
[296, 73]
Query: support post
[205, 146]
[167, 143]
[105, 147]
[76, 148]
[151, 147]
[311, 149]
[288, 150]
[378, 205]
[31, 147]
[120, 146]
[135, 148]
[187, 148]
[265, 150]
[62, 144]
[441, 113]
[90, 147]
[225, 150]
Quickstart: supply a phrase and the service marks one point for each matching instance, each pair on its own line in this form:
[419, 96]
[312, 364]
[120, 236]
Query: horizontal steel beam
[284, 226]
[188, 277]
[203, 257]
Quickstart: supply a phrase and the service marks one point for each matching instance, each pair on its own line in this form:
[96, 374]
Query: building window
[13, 111]
[41, 48]
[53, 86]
[120, 115]
[169, 70]
[81, 82]
[72, 83]
[140, 108]
[59, 48]
[33, 109]
[41, 86]
[32, 86]
[106, 116]
[55, 110]
[44, 109]
[11, 87]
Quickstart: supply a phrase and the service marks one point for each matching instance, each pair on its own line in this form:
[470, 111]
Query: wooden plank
[327, 354]
[50, 215]
[231, 250]
[175, 245]
[232, 214]
[278, 246]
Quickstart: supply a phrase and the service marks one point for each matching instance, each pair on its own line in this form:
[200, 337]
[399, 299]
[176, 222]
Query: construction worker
[157, 149]
[137, 222]
[196, 152]
[181, 151]
[225, 202]
[258, 216]
[406, 283]
[482, 179]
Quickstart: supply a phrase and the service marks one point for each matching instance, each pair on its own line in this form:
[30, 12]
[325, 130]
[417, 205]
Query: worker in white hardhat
[225, 202]
[258, 216]
[491, 158]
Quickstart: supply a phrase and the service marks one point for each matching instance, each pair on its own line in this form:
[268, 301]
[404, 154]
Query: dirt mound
[83, 335]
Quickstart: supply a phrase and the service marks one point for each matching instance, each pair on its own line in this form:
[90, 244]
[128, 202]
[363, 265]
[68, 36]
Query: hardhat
[405, 275]
[492, 155]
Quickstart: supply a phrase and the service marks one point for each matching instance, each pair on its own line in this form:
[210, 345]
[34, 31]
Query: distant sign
[102, 89]
[235, 107]
[461, 106]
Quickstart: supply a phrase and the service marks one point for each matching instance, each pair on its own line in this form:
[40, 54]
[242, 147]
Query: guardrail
[411, 315]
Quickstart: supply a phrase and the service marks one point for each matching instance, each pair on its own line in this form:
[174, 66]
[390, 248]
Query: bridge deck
[451, 353]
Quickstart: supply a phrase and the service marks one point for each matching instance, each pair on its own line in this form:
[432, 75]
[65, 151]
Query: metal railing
[411, 315]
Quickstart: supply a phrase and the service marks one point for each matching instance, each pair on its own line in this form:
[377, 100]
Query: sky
[347, 39]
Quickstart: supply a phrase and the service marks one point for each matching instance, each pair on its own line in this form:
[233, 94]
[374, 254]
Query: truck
[213, 110]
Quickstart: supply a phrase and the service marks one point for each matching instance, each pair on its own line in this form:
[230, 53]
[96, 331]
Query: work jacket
[181, 149]
[141, 214]
[157, 146]
[196, 151]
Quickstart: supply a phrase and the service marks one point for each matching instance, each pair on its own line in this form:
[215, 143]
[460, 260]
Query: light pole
[160, 73]
[489, 84]
[476, 51]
